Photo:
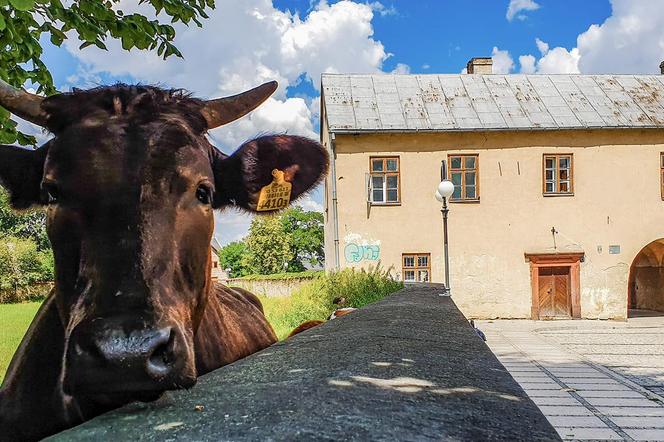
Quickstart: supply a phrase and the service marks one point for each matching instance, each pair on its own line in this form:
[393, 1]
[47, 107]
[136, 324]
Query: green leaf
[93, 21]
[23, 5]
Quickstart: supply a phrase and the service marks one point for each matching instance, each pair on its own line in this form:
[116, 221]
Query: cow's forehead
[117, 154]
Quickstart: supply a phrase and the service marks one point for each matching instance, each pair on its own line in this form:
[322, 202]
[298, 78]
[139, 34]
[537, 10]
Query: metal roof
[403, 103]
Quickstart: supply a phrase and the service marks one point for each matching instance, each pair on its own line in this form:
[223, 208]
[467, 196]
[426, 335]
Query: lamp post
[444, 191]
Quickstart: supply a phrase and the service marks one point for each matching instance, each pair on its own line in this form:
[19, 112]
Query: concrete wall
[269, 287]
[322, 385]
[617, 201]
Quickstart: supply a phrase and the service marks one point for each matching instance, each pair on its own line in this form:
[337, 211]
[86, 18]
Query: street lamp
[444, 191]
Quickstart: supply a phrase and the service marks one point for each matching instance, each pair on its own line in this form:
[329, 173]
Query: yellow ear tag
[275, 195]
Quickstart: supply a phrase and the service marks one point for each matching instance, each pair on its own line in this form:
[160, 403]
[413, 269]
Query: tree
[29, 224]
[307, 238]
[234, 256]
[21, 266]
[23, 22]
[268, 246]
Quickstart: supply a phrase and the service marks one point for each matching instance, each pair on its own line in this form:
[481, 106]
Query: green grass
[313, 301]
[307, 274]
[14, 321]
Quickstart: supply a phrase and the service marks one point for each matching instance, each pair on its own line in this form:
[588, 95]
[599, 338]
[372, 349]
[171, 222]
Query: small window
[464, 173]
[416, 267]
[384, 181]
[661, 173]
[558, 175]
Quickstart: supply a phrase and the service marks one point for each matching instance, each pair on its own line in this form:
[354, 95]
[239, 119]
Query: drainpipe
[335, 213]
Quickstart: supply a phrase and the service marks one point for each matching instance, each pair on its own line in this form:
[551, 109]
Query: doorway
[555, 279]
[555, 296]
[646, 281]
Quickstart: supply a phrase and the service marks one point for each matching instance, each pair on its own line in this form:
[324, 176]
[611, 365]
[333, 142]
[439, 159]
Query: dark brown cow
[130, 183]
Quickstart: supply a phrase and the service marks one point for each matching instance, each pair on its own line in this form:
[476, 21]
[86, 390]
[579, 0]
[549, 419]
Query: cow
[314, 323]
[130, 183]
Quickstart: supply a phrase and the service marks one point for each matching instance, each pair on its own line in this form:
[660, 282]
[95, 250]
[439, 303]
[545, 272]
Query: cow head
[130, 183]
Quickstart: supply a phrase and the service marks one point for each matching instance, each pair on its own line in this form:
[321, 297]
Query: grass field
[14, 321]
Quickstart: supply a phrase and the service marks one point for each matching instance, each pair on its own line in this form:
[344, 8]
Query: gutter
[335, 214]
[342, 131]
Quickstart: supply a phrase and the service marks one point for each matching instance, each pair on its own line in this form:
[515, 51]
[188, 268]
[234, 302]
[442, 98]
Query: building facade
[558, 207]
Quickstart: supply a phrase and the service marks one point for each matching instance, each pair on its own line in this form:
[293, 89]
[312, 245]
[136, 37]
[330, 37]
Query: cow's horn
[224, 110]
[22, 103]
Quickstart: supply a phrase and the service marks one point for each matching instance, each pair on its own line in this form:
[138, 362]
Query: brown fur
[305, 326]
[311, 324]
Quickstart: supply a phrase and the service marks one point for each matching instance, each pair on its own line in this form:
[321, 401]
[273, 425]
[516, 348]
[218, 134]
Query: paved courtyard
[593, 380]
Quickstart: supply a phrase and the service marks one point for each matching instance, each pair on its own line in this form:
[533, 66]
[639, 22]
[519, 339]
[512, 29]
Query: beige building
[217, 273]
[558, 207]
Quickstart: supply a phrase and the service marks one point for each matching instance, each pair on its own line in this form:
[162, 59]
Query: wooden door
[554, 292]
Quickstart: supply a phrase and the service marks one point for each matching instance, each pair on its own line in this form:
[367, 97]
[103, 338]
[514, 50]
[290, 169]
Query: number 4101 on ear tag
[275, 195]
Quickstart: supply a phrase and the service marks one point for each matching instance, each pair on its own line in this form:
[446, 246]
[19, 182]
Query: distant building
[216, 272]
[558, 209]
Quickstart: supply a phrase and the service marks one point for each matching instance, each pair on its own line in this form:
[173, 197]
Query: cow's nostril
[162, 358]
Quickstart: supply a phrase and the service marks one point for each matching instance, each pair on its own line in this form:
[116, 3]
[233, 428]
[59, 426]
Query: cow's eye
[204, 195]
[50, 193]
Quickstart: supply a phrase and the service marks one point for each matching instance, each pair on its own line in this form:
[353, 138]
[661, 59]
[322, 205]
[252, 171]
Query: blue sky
[246, 42]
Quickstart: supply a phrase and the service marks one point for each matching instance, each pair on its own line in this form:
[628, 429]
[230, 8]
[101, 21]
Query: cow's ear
[21, 173]
[240, 177]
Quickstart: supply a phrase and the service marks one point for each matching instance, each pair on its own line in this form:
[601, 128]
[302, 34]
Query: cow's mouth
[109, 396]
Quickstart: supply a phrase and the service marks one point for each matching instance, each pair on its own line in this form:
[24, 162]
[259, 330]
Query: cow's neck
[224, 335]
[31, 399]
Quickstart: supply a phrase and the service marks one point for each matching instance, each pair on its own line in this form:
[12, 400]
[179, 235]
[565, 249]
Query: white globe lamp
[445, 189]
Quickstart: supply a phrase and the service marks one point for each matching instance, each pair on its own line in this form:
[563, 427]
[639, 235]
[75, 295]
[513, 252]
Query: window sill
[385, 204]
[468, 201]
[548, 195]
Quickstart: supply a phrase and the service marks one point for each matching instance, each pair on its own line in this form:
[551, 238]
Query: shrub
[23, 270]
[313, 301]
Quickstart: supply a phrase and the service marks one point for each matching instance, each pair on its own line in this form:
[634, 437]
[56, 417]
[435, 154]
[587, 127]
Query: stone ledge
[409, 367]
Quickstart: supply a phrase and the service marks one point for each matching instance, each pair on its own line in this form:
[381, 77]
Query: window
[416, 267]
[661, 172]
[384, 180]
[464, 173]
[558, 171]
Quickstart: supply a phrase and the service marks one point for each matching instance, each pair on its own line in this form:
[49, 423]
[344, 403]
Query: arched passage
[646, 278]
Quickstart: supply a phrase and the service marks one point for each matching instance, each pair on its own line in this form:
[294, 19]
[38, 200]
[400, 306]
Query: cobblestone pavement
[593, 380]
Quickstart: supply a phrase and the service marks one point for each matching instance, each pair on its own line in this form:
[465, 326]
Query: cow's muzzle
[127, 357]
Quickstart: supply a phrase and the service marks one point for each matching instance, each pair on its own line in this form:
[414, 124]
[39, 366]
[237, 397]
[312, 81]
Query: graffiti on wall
[360, 249]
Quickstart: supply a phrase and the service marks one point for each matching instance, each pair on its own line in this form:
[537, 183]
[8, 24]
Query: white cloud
[630, 41]
[401, 68]
[426, 66]
[291, 116]
[516, 6]
[502, 61]
[382, 9]
[309, 204]
[247, 42]
[527, 63]
[231, 225]
[542, 46]
[552, 61]
[559, 61]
